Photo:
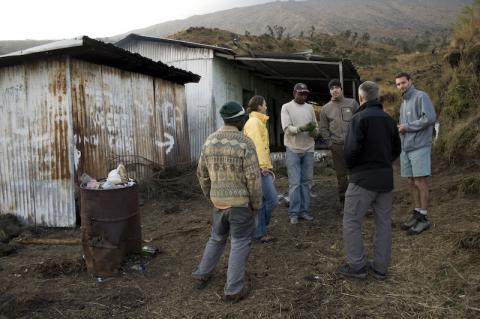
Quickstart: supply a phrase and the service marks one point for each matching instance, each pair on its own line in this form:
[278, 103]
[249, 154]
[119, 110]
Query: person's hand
[402, 128]
[251, 208]
[308, 127]
[264, 171]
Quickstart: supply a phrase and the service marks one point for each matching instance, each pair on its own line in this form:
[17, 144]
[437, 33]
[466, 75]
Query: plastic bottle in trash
[149, 250]
[138, 267]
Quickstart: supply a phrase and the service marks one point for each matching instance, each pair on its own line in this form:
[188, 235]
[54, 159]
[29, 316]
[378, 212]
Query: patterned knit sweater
[228, 169]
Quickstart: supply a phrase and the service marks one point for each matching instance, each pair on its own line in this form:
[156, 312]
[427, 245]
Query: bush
[459, 141]
[470, 186]
[459, 137]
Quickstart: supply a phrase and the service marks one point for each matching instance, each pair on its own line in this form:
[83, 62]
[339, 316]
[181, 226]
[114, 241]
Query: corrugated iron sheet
[64, 117]
[132, 37]
[126, 117]
[95, 51]
[36, 143]
[221, 80]
[16, 174]
[201, 110]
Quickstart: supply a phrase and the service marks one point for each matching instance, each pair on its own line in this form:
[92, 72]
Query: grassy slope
[361, 52]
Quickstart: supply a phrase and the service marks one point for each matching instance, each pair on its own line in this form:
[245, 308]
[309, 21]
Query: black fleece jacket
[371, 145]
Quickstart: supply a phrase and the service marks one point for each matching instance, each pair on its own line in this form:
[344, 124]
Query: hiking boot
[306, 216]
[293, 220]
[421, 225]
[376, 274]
[411, 221]
[237, 297]
[200, 284]
[348, 271]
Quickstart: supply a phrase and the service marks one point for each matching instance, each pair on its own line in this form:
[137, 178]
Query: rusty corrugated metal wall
[201, 111]
[126, 117]
[36, 166]
[63, 117]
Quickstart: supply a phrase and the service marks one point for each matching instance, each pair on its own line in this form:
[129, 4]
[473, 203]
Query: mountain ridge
[387, 18]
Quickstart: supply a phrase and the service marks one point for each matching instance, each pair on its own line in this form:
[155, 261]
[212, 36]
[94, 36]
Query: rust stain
[60, 158]
[78, 106]
[57, 83]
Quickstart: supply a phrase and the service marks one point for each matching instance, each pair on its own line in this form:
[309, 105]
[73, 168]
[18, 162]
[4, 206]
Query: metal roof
[133, 37]
[283, 69]
[313, 70]
[88, 49]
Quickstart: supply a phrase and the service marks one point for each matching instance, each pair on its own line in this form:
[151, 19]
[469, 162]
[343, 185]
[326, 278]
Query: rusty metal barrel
[110, 225]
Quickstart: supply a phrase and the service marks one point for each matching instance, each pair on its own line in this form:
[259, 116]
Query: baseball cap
[301, 87]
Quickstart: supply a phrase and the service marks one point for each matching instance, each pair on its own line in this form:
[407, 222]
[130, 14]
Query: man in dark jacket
[372, 143]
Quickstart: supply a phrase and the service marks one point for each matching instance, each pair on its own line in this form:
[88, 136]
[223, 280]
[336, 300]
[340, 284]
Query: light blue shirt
[418, 115]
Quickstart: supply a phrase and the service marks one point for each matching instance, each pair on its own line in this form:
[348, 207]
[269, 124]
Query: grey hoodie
[418, 115]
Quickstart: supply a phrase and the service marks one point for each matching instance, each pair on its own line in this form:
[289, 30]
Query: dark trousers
[357, 202]
[340, 169]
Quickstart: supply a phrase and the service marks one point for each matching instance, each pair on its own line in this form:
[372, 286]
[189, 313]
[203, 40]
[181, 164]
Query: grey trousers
[239, 222]
[357, 202]
[340, 169]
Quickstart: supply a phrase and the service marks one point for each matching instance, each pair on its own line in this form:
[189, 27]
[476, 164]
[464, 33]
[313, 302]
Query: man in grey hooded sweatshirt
[417, 118]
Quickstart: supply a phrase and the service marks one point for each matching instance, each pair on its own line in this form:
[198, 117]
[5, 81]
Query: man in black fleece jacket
[372, 143]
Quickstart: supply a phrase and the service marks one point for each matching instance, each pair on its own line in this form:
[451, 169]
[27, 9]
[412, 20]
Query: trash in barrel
[110, 226]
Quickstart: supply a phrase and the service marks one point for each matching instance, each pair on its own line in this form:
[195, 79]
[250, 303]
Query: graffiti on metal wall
[168, 143]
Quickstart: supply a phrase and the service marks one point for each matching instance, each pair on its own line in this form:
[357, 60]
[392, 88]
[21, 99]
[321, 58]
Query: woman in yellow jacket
[256, 129]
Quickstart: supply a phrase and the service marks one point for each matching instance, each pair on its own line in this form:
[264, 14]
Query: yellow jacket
[256, 129]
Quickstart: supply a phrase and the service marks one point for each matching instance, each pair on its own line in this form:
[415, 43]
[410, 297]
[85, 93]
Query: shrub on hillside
[460, 116]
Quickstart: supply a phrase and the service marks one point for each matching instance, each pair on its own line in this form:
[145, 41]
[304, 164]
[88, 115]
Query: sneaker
[237, 297]
[421, 225]
[283, 198]
[306, 216]
[411, 221]
[293, 220]
[376, 274]
[346, 270]
[267, 239]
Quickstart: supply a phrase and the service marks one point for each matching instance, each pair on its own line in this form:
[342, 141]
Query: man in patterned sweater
[229, 176]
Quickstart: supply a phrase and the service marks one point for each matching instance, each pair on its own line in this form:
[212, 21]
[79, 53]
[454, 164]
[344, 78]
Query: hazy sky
[57, 19]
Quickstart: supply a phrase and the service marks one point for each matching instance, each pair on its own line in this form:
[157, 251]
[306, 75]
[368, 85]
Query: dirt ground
[434, 275]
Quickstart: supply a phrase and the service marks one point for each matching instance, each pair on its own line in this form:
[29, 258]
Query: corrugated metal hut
[227, 76]
[80, 106]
